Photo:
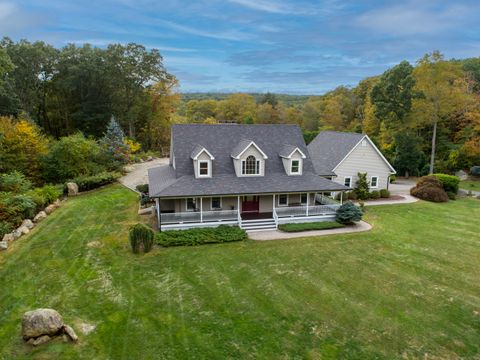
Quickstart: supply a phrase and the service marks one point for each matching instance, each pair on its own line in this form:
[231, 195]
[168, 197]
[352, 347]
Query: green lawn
[470, 185]
[408, 288]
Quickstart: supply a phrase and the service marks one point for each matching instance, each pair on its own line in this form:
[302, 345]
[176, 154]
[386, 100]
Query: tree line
[424, 116]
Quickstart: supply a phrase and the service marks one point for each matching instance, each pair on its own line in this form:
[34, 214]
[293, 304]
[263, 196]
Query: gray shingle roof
[286, 150]
[237, 150]
[329, 148]
[196, 150]
[224, 140]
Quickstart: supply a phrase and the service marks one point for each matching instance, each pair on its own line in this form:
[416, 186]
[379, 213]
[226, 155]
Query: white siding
[203, 156]
[364, 159]
[287, 163]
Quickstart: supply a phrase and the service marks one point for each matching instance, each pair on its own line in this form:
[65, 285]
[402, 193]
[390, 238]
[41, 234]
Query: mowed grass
[473, 185]
[410, 288]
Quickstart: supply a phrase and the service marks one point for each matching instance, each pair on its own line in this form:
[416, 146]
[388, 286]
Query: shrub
[45, 195]
[362, 187]
[384, 193]
[475, 170]
[429, 188]
[449, 182]
[375, 194]
[144, 199]
[114, 144]
[94, 181]
[72, 156]
[5, 228]
[141, 236]
[142, 188]
[393, 178]
[321, 225]
[348, 213]
[14, 182]
[220, 234]
[14, 208]
[451, 195]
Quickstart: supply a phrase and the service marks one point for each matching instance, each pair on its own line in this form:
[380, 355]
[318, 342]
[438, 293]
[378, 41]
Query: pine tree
[114, 141]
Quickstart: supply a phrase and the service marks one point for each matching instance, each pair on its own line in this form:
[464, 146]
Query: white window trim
[203, 150]
[378, 178]
[306, 202]
[260, 163]
[345, 178]
[211, 203]
[209, 170]
[247, 147]
[294, 151]
[278, 201]
[186, 204]
[300, 166]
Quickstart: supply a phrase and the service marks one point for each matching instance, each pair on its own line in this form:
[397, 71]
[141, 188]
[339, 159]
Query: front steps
[258, 225]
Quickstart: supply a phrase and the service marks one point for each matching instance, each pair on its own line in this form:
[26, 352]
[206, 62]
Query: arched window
[250, 166]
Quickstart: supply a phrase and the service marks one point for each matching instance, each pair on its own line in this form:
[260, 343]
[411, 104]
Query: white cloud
[265, 5]
[233, 35]
[412, 18]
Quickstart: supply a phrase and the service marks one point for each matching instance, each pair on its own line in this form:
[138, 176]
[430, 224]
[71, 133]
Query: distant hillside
[289, 100]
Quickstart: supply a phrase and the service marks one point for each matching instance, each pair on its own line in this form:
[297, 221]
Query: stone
[70, 333]
[3, 245]
[40, 322]
[40, 216]
[57, 203]
[50, 208]
[8, 237]
[16, 233]
[40, 340]
[23, 230]
[28, 223]
[149, 158]
[72, 189]
[462, 175]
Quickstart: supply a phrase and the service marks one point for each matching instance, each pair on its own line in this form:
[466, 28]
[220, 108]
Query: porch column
[201, 209]
[308, 201]
[157, 207]
[238, 210]
[341, 197]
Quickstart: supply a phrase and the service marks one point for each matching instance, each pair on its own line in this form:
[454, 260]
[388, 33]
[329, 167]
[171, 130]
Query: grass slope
[407, 288]
[473, 185]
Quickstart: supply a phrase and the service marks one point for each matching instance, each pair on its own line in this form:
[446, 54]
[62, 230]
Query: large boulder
[8, 238]
[3, 245]
[28, 224]
[23, 230]
[40, 216]
[41, 322]
[72, 189]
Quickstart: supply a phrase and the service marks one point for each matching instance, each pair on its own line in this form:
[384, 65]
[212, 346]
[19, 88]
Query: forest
[424, 116]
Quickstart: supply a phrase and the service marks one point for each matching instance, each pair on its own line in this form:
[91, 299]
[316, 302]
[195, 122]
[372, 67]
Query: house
[253, 176]
[340, 156]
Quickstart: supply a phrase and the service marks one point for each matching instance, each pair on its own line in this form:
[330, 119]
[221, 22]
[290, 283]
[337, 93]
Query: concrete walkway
[138, 173]
[279, 235]
[407, 199]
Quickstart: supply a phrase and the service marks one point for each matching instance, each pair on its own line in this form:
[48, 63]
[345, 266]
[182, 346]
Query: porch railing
[197, 216]
[325, 200]
[314, 210]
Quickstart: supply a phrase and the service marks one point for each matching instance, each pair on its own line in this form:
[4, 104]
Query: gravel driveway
[139, 172]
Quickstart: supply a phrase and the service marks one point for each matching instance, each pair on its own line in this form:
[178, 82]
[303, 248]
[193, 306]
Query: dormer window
[295, 168]
[250, 166]
[203, 168]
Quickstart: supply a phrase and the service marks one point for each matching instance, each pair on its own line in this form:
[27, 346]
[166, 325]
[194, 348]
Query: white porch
[245, 211]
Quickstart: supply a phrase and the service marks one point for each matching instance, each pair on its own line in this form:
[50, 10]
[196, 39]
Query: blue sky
[298, 47]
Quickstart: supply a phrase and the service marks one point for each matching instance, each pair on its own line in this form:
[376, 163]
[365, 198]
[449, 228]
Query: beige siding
[363, 159]
[266, 203]
[252, 150]
[287, 163]
[202, 156]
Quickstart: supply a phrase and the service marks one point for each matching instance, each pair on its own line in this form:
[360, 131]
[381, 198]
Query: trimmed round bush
[384, 193]
[348, 213]
[429, 188]
[450, 183]
[141, 236]
[375, 195]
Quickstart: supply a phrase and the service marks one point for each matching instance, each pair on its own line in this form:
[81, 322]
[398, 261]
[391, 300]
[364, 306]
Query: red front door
[250, 204]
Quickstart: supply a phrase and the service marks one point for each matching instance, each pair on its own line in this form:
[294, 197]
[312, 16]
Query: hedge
[190, 237]
[321, 225]
[450, 183]
[94, 181]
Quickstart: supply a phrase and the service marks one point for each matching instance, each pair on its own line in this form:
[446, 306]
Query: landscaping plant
[349, 213]
[384, 193]
[450, 183]
[141, 236]
[320, 225]
[429, 188]
[362, 187]
[220, 234]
